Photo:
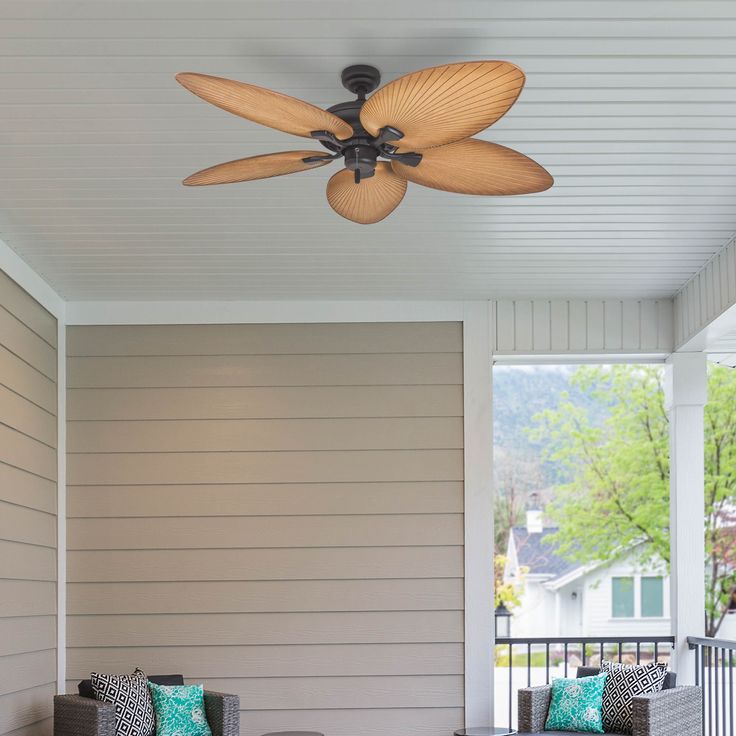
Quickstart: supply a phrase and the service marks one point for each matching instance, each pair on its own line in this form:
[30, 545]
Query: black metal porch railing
[532, 661]
[714, 665]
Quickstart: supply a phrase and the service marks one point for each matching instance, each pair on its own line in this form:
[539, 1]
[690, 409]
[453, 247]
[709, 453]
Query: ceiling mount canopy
[420, 124]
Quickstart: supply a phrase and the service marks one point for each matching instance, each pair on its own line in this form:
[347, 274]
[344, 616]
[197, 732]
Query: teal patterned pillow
[576, 704]
[179, 710]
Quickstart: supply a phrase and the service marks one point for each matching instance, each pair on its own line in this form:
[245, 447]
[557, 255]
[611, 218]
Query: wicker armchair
[673, 710]
[81, 715]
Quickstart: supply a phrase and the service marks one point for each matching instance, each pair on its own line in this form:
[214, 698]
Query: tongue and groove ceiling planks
[630, 105]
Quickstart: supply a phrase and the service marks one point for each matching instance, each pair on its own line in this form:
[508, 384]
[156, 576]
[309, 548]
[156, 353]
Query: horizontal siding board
[29, 383]
[23, 488]
[265, 564]
[352, 721]
[285, 339]
[26, 344]
[20, 524]
[27, 634]
[40, 728]
[24, 452]
[281, 505]
[24, 307]
[424, 594]
[27, 417]
[28, 524]
[26, 708]
[23, 671]
[265, 467]
[272, 434]
[265, 402]
[265, 370]
[288, 693]
[296, 660]
[27, 598]
[265, 628]
[272, 499]
[26, 561]
[355, 722]
[258, 532]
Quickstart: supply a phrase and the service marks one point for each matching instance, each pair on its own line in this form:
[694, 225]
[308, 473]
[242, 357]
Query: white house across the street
[559, 597]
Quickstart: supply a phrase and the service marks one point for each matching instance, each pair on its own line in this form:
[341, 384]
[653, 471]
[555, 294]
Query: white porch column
[479, 643]
[685, 396]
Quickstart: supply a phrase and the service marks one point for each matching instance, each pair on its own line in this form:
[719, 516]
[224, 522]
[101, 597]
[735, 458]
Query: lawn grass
[539, 659]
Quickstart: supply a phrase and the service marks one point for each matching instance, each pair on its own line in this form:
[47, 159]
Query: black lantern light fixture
[503, 621]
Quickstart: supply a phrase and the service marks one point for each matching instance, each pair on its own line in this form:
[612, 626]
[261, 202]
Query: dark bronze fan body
[421, 124]
[362, 150]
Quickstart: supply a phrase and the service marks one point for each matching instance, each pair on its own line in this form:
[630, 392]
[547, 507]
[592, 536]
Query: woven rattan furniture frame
[75, 715]
[676, 710]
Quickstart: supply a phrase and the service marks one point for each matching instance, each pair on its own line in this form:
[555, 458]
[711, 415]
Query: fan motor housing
[361, 151]
[361, 158]
[350, 113]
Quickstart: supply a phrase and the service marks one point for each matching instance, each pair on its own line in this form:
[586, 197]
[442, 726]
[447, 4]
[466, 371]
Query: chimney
[534, 520]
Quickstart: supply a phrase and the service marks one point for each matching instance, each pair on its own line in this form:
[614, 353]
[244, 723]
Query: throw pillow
[625, 681]
[179, 710]
[576, 704]
[129, 694]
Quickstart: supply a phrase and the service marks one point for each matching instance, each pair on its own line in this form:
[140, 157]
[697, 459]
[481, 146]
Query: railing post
[686, 394]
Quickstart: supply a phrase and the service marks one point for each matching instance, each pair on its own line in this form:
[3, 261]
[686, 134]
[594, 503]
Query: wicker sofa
[673, 710]
[83, 715]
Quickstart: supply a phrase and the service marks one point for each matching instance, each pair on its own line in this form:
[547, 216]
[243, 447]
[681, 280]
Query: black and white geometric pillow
[623, 683]
[134, 715]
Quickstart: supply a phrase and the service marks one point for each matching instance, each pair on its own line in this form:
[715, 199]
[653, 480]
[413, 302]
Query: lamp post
[503, 621]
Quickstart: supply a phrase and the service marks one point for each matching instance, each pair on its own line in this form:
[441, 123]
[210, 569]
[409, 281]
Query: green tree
[619, 496]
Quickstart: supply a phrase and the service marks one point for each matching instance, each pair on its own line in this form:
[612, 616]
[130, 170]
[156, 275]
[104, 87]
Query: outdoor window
[622, 597]
[652, 597]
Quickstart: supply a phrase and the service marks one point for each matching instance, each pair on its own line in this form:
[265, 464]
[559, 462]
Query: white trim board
[579, 358]
[478, 515]
[263, 312]
[23, 275]
[554, 329]
[61, 509]
[28, 279]
[704, 305]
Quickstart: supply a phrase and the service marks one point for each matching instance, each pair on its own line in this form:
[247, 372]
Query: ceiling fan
[419, 124]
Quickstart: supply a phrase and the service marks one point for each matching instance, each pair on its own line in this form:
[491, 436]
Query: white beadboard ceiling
[630, 104]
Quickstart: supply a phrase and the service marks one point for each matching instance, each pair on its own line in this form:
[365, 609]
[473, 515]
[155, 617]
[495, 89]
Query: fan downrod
[360, 79]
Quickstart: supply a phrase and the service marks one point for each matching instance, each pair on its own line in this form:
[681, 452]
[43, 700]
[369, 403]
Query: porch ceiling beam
[523, 329]
[705, 307]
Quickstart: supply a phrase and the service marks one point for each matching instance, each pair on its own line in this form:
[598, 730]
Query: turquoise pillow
[576, 704]
[179, 710]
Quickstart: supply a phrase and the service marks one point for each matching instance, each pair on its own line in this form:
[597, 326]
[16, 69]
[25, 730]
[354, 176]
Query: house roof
[539, 556]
